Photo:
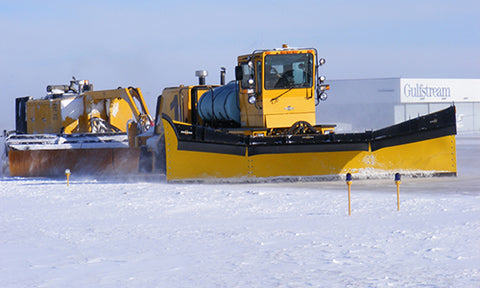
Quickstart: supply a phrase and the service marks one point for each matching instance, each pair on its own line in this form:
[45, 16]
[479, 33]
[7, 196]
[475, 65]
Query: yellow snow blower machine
[263, 125]
[76, 128]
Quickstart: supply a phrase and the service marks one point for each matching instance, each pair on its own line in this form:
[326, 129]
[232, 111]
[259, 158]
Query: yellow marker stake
[67, 173]
[397, 181]
[349, 183]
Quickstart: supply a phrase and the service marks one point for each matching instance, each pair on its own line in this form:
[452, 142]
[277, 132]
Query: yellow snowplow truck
[74, 127]
[262, 125]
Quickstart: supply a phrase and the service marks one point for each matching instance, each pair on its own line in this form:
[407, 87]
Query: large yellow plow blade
[423, 146]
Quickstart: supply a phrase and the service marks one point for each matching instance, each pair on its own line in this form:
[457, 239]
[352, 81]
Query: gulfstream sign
[421, 91]
[439, 90]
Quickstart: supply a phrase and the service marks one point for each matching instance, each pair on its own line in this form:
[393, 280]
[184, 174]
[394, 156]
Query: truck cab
[277, 87]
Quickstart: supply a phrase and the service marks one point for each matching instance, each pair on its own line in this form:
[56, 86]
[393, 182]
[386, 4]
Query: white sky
[156, 44]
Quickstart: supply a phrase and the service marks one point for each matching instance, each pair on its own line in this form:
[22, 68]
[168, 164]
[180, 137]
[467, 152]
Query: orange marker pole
[349, 184]
[67, 173]
[397, 181]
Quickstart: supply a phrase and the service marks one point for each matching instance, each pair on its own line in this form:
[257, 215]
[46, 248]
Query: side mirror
[238, 73]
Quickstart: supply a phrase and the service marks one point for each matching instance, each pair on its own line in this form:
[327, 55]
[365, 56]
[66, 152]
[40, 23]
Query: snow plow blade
[53, 163]
[423, 146]
[37, 156]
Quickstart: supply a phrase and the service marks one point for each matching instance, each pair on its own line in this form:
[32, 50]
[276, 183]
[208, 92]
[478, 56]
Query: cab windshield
[285, 71]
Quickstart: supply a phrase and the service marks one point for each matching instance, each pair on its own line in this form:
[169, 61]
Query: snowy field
[102, 233]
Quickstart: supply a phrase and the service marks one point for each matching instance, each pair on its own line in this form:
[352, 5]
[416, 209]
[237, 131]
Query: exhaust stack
[222, 75]
[201, 74]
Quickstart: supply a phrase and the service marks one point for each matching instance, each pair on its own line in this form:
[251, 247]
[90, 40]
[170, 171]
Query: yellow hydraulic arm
[132, 96]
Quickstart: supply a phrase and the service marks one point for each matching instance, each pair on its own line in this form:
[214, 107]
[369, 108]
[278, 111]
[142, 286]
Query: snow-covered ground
[154, 234]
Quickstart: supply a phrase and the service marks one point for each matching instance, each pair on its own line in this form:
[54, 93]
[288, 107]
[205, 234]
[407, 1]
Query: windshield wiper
[273, 100]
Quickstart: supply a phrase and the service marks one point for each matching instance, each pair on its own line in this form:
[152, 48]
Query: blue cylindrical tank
[220, 104]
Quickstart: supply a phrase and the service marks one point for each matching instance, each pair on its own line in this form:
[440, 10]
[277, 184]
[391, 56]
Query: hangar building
[369, 104]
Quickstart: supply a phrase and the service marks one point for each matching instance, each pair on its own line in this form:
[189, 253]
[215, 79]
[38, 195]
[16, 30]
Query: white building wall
[359, 105]
[419, 90]
[476, 116]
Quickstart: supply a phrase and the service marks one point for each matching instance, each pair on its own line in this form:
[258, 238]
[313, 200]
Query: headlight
[324, 87]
